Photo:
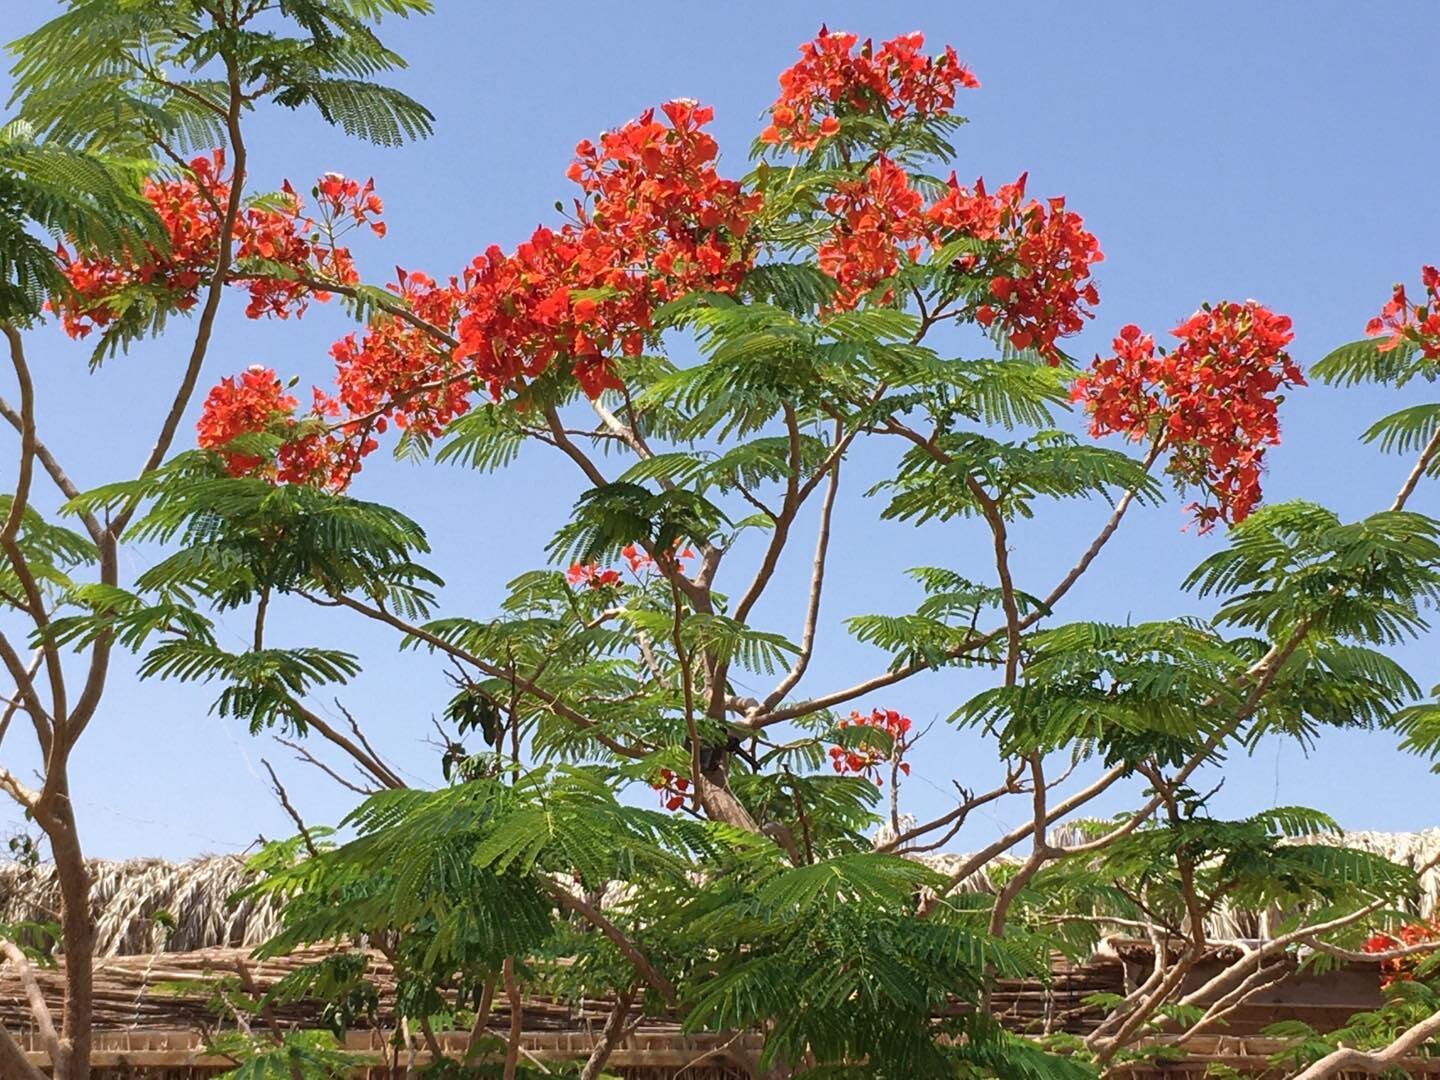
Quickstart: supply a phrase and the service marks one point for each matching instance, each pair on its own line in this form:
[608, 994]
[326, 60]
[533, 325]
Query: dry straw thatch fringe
[197, 897]
[1411, 849]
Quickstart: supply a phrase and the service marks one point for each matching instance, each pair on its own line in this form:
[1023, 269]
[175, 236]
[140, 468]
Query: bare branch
[1022, 832]
[289, 807]
[1432, 449]
[1232, 976]
[517, 1019]
[13, 1061]
[34, 601]
[1346, 1060]
[1090, 553]
[643, 967]
[372, 765]
[52, 467]
[25, 691]
[1040, 850]
[523, 684]
[817, 583]
[616, 1028]
[14, 704]
[21, 496]
[23, 795]
[310, 759]
[1260, 980]
[39, 1010]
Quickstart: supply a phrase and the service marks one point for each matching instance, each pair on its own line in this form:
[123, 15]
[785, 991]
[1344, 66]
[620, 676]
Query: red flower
[832, 79]
[865, 759]
[1400, 968]
[1212, 402]
[192, 212]
[637, 558]
[876, 219]
[655, 223]
[256, 403]
[1039, 268]
[591, 576]
[1402, 322]
[672, 788]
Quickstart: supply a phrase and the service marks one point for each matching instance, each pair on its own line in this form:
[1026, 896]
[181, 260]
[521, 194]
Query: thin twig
[290, 809]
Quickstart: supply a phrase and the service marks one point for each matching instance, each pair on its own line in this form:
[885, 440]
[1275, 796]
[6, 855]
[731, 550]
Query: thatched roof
[197, 896]
[1412, 849]
[127, 896]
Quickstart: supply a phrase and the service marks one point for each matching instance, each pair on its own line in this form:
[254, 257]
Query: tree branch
[289, 808]
[52, 467]
[371, 764]
[646, 970]
[615, 1029]
[1432, 448]
[817, 583]
[39, 1010]
[13, 1062]
[1347, 1060]
[495, 671]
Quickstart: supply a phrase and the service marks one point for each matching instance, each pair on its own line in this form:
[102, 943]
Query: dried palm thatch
[1409, 849]
[1412, 849]
[200, 912]
[148, 905]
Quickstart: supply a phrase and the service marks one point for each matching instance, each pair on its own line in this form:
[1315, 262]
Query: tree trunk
[615, 1029]
[77, 930]
[720, 803]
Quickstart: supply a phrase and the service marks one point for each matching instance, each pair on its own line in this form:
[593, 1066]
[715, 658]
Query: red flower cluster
[672, 788]
[1416, 324]
[656, 222]
[1039, 267]
[1049, 293]
[1212, 402]
[591, 576]
[398, 371]
[341, 197]
[876, 217]
[257, 403]
[977, 214]
[192, 210]
[639, 560]
[863, 759]
[1400, 969]
[832, 79]
[1041, 288]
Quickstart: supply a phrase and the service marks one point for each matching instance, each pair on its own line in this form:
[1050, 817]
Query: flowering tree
[750, 890]
[104, 224]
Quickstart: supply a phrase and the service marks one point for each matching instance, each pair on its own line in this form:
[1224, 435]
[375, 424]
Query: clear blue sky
[1281, 151]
